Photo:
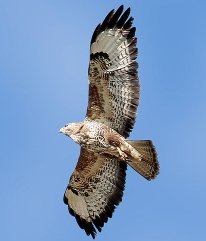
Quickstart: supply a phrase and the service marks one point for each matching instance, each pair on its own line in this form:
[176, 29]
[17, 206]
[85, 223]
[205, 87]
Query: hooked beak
[62, 130]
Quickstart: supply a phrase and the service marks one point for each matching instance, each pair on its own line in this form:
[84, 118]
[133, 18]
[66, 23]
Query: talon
[122, 156]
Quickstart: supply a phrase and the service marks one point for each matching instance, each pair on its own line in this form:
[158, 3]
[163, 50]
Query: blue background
[44, 54]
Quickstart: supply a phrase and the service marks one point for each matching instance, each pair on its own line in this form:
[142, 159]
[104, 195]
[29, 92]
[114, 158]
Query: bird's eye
[65, 125]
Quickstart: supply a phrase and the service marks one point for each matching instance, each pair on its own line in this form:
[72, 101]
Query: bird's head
[73, 130]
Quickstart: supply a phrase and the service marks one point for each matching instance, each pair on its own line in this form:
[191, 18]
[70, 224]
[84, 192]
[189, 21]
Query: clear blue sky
[44, 53]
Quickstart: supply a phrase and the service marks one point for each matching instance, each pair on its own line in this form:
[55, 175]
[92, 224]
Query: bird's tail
[146, 164]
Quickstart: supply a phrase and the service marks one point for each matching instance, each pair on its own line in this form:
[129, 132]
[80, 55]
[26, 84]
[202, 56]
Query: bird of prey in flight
[96, 186]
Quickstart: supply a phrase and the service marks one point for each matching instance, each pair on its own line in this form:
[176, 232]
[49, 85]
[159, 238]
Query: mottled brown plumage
[97, 183]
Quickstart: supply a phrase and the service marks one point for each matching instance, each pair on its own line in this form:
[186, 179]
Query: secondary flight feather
[96, 186]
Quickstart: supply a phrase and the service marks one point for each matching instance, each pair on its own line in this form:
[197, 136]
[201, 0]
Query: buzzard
[96, 186]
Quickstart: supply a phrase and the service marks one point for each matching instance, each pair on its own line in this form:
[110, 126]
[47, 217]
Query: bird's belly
[95, 146]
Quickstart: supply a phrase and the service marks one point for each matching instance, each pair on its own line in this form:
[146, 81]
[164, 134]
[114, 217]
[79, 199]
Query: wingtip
[87, 226]
[121, 8]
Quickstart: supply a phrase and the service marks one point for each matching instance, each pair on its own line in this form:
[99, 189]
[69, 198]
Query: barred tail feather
[147, 165]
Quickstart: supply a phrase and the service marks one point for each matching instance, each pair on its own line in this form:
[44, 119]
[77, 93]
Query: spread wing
[114, 85]
[97, 184]
[95, 189]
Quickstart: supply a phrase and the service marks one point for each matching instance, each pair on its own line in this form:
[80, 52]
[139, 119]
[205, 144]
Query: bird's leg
[122, 155]
[117, 145]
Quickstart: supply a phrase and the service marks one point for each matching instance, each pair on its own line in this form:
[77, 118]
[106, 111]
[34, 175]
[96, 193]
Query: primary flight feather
[96, 186]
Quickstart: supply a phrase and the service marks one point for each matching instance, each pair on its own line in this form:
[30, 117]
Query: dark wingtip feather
[98, 223]
[128, 24]
[65, 199]
[102, 27]
[123, 18]
[87, 226]
[118, 19]
[113, 21]
[106, 20]
[95, 34]
[131, 33]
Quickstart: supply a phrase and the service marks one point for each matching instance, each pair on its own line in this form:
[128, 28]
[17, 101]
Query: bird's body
[97, 183]
[94, 136]
[99, 138]
[103, 139]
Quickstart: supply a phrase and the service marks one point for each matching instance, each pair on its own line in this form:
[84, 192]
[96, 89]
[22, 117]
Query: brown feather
[114, 85]
[95, 189]
[97, 183]
[148, 165]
